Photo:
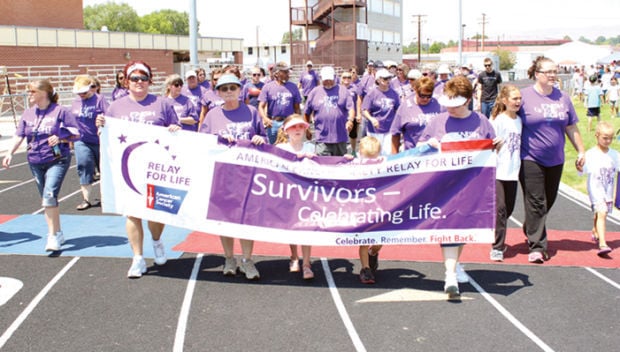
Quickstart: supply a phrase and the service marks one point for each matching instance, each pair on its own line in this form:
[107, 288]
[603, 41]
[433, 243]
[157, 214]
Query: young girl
[507, 126]
[291, 138]
[601, 167]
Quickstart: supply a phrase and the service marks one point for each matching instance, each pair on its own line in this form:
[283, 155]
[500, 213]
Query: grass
[570, 175]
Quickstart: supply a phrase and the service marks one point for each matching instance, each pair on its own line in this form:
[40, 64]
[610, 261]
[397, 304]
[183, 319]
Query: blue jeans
[87, 159]
[486, 107]
[49, 177]
[272, 132]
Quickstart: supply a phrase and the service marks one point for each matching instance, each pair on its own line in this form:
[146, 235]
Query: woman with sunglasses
[142, 107]
[120, 89]
[86, 106]
[48, 128]
[252, 89]
[231, 122]
[379, 108]
[183, 106]
[548, 117]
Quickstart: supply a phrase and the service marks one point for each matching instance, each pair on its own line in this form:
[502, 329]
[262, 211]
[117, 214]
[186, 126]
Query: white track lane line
[22, 317]
[527, 332]
[603, 277]
[357, 342]
[179, 338]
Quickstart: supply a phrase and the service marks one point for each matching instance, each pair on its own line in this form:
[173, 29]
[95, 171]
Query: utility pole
[484, 22]
[419, 36]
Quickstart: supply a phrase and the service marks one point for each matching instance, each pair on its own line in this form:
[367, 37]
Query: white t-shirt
[308, 147]
[601, 169]
[509, 156]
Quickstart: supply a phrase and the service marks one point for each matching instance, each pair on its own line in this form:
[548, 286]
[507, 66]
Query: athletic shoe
[160, 254]
[247, 267]
[373, 261]
[230, 267]
[461, 275]
[497, 255]
[535, 257]
[604, 250]
[451, 286]
[54, 242]
[366, 276]
[293, 266]
[138, 267]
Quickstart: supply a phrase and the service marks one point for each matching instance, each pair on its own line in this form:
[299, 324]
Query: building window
[376, 6]
[250, 51]
[283, 49]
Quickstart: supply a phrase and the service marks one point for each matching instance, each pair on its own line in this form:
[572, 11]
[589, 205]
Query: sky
[505, 20]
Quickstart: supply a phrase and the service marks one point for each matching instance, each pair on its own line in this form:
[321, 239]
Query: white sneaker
[54, 242]
[451, 286]
[160, 253]
[230, 267]
[461, 275]
[247, 267]
[138, 267]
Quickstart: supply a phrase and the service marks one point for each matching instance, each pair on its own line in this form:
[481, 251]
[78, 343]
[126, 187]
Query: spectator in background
[308, 80]
[594, 95]
[488, 83]
[185, 110]
[252, 89]
[86, 107]
[120, 86]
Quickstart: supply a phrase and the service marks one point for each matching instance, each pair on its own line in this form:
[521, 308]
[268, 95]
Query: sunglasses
[255, 74]
[487, 65]
[230, 87]
[425, 96]
[178, 85]
[142, 78]
[345, 77]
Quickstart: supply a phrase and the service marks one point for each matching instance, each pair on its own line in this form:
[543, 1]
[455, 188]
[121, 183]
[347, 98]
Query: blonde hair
[604, 126]
[370, 147]
[504, 93]
[282, 137]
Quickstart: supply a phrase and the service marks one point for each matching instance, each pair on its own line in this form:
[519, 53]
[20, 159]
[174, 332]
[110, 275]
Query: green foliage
[507, 59]
[297, 35]
[116, 17]
[165, 22]
[123, 18]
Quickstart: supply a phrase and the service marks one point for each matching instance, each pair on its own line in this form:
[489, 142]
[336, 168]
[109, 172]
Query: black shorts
[594, 112]
[353, 133]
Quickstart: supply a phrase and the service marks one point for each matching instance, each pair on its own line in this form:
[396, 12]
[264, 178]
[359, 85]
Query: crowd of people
[382, 110]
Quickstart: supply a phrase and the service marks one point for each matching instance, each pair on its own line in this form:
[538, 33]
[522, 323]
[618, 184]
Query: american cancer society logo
[164, 198]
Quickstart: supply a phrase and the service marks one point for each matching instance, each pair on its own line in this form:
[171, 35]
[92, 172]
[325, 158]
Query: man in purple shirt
[277, 100]
[333, 112]
[308, 80]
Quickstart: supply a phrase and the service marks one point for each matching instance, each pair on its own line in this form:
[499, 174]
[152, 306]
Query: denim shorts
[49, 177]
[87, 160]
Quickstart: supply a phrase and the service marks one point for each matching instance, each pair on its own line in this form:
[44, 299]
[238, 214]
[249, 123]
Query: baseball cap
[190, 73]
[443, 69]
[414, 74]
[327, 73]
[309, 63]
[383, 73]
[282, 66]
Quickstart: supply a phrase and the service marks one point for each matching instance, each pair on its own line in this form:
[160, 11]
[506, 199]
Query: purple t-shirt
[251, 91]
[308, 80]
[446, 128]
[411, 119]
[196, 95]
[212, 100]
[241, 123]
[183, 107]
[403, 88]
[280, 99]
[205, 84]
[36, 126]
[331, 110]
[152, 110]
[545, 118]
[353, 92]
[119, 92]
[85, 112]
[382, 106]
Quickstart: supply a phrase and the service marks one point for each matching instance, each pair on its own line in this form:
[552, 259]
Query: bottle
[56, 151]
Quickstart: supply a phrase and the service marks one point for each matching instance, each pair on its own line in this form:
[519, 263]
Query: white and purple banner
[189, 180]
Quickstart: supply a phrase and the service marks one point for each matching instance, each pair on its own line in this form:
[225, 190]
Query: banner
[189, 180]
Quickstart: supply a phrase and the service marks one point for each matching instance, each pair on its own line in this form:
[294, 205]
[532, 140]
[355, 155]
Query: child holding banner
[602, 165]
[457, 124]
[291, 138]
[507, 125]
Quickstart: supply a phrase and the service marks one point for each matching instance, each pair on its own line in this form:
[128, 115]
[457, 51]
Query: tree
[507, 59]
[165, 22]
[116, 17]
[297, 35]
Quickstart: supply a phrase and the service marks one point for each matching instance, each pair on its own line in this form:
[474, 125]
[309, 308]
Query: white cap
[190, 73]
[327, 73]
[309, 63]
[443, 69]
[383, 73]
[414, 74]
[453, 102]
